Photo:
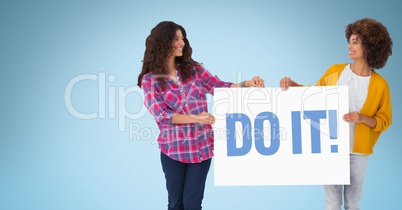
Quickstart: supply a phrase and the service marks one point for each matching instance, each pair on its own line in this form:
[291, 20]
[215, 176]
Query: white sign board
[266, 136]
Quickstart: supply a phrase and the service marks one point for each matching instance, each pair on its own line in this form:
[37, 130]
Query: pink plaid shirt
[188, 143]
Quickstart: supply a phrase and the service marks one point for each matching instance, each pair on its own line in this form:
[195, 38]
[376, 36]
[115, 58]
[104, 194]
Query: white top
[358, 88]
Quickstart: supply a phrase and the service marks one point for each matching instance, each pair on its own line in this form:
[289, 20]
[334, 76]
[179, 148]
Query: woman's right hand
[205, 118]
[286, 82]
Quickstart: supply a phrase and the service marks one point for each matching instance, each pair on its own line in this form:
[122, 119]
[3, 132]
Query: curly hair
[376, 42]
[158, 48]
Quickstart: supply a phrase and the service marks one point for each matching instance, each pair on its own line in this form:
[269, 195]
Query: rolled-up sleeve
[211, 81]
[384, 114]
[154, 102]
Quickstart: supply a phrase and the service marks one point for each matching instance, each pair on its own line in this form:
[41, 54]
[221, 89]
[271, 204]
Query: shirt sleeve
[384, 114]
[154, 102]
[211, 81]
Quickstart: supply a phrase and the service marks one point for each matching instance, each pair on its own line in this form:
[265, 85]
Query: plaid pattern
[187, 143]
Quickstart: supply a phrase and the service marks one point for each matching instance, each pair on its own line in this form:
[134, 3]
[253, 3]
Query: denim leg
[195, 184]
[175, 175]
[353, 192]
[333, 197]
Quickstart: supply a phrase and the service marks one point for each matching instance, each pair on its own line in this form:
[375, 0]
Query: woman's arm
[203, 118]
[359, 118]
[254, 82]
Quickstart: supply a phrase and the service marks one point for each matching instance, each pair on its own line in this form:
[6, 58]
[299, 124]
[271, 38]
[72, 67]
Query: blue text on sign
[313, 115]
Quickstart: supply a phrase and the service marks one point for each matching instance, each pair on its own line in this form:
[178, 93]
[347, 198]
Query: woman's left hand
[255, 82]
[352, 117]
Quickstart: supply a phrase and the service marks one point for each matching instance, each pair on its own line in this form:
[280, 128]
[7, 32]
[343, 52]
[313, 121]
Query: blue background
[52, 159]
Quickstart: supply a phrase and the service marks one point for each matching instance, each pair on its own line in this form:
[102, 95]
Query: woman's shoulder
[335, 68]
[378, 78]
[151, 79]
[197, 69]
[338, 66]
[146, 78]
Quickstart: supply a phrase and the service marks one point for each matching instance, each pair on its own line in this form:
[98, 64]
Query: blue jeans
[353, 192]
[185, 183]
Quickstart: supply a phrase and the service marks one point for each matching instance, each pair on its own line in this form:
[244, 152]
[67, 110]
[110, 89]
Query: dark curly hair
[158, 48]
[376, 42]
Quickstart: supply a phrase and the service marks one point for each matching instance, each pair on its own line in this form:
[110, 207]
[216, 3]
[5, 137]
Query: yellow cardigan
[377, 105]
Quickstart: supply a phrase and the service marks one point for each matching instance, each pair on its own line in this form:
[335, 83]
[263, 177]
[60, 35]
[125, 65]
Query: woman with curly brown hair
[175, 88]
[370, 111]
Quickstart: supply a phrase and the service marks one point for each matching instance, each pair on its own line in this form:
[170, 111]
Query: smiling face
[355, 48]
[178, 44]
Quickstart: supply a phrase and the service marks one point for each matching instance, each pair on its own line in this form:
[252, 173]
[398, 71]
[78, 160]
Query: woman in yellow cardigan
[370, 111]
